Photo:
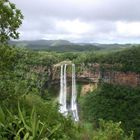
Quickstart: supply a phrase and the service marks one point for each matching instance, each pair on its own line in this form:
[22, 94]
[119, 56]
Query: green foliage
[73, 48]
[114, 102]
[124, 60]
[11, 72]
[46, 45]
[10, 21]
[129, 59]
[110, 131]
[106, 130]
[35, 119]
[21, 80]
[87, 131]
[25, 113]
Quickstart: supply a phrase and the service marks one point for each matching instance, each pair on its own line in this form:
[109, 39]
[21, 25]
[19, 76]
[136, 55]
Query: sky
[90, 21]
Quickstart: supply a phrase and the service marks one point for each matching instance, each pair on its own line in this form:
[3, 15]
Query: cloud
[128, 29]
[81, 20]
[83, 9]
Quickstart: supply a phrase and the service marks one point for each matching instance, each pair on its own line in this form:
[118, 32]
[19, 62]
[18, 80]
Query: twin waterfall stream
[64, 109]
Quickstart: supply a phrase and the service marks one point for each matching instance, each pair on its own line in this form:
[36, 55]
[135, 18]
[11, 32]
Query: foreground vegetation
[29, 115]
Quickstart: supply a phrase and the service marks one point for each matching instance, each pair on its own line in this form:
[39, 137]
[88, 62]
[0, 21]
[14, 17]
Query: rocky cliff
[91, 75]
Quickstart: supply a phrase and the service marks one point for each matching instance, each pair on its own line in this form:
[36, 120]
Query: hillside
[66, 46]
[129, 59]
[55, 45]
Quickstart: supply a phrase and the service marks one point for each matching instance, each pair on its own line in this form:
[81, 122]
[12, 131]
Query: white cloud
[128, 29]
[81, 20]
[73, 26]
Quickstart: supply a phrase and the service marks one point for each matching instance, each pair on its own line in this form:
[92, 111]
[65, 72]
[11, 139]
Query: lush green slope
[129, 58]
[114, 102]
[123, 60]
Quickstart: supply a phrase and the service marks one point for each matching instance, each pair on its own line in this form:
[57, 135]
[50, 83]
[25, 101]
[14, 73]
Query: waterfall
[63, 93]
[74, 96]
[61, 90]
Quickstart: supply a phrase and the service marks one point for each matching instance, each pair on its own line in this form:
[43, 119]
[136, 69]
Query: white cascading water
[74, 96]
[63, 93]
[61, 90]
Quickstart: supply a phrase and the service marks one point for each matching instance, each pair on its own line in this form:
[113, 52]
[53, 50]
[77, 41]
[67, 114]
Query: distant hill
[66, 46]
[54, 45]
[41, 42]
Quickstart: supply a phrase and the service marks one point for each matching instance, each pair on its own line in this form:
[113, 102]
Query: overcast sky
[102, 21]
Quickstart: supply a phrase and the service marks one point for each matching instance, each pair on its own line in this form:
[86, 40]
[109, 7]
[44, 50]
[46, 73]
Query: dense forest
[30, 111]
[23, 92]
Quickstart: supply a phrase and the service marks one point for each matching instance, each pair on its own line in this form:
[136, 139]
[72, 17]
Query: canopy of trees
[114, 102]
[10, 21]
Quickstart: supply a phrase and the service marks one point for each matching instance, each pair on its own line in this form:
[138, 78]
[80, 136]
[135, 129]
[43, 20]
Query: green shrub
[110, 131]
[114, 102]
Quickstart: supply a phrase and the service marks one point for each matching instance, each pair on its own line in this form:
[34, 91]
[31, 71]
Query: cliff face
[116, 77]
[93, 73]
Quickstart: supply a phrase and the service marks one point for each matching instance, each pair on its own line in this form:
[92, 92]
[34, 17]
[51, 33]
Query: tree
[114, 102]
[109, 130]
[10, 21]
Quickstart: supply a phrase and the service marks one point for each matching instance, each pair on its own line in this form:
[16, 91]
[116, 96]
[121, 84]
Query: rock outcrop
[90, 75]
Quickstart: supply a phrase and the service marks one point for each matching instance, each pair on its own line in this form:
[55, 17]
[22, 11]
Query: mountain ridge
[65, 46]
